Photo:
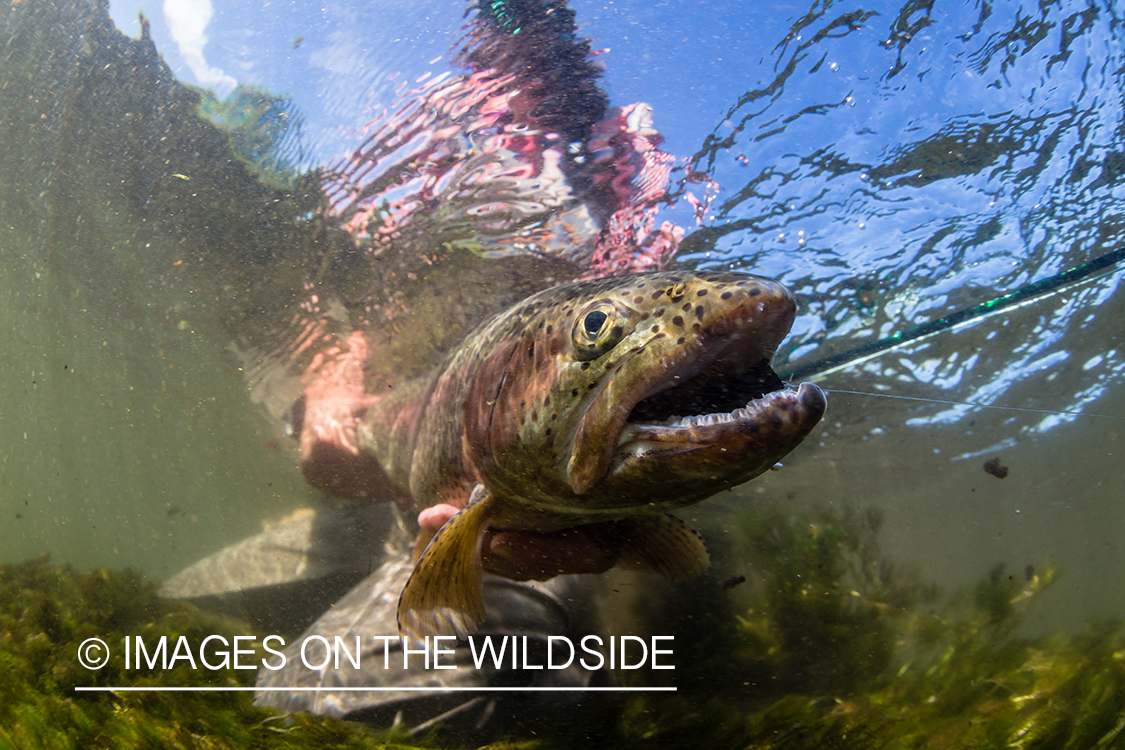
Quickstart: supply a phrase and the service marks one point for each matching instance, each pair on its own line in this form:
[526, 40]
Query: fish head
[653, 390]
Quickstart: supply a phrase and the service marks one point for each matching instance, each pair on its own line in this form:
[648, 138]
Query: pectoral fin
[664, 544]
[443, 595]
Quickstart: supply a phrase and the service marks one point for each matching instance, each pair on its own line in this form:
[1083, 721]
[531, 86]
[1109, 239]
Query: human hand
[526, 555]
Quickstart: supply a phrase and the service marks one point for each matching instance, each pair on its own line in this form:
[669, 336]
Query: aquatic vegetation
[846, 652]
[856, 655]
[47, 611]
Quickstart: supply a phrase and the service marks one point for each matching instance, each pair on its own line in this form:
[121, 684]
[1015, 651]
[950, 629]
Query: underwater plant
[842, 651]
[839, 650]
[46, 611]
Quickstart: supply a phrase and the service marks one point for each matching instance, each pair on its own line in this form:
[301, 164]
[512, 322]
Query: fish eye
[594, 321]
[598, 328]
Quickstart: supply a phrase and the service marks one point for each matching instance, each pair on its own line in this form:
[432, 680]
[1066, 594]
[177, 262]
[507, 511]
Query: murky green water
[129, 436]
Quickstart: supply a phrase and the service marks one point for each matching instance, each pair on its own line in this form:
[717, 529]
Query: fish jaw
[682, 460]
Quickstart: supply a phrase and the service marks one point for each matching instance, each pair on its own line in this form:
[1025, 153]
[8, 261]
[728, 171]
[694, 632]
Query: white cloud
[187, 21]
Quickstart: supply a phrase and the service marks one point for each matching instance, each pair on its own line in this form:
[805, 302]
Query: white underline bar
[206, 689]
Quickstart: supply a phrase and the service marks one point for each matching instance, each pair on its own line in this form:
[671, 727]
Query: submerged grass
[47, 611]
[838, 651]
[842, 651]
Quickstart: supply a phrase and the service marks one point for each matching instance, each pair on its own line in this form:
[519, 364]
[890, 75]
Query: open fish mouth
[717, 430]
[723, 426]
[723, 398]
[715, 395]
[800, 409]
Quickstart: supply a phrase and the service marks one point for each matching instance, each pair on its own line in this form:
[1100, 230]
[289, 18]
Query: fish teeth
[706, 420]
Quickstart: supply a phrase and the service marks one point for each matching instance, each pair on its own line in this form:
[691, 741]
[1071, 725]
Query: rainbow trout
[609, 401]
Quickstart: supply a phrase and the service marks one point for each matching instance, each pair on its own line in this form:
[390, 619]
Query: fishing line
[1022, 296]
[976, 405]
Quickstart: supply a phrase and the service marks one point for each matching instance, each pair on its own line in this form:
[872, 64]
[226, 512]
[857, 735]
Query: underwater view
[534, 374]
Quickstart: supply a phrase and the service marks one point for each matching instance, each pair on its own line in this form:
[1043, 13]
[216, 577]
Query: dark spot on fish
[638, 299]
[993, 467]
[658, 294]
[776, 422]
[696, 327]
[755, 292]
[733, 581]
[659, 313]
[547, 401]
[534, 416]
[680, 340]
[574, 392]
[547, 431]
[644, 316]
[699, 311]
[617, 332]
[701, 293]
[592, 386]
[555, 415]
[550, 329]
[726, 295]
[686, 307]
[585, 365]
[678, 321]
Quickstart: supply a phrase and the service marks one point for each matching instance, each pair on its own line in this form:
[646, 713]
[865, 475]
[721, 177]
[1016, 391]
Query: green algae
[843, 651]
[47, 611]
[856, 655]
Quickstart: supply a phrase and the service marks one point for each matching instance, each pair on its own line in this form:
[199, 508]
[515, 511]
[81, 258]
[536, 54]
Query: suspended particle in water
[993, 467]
